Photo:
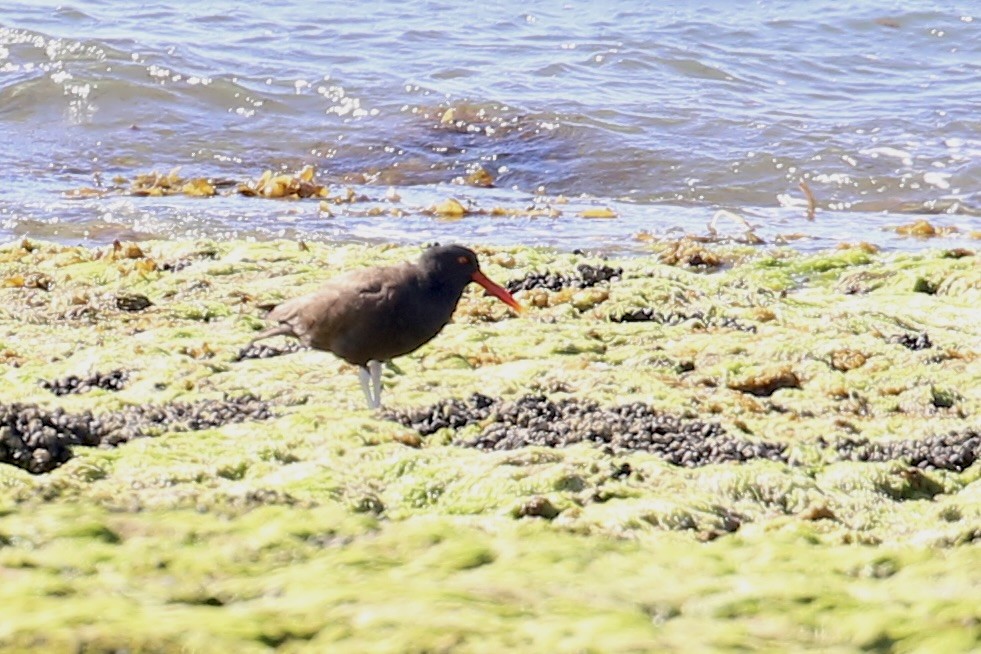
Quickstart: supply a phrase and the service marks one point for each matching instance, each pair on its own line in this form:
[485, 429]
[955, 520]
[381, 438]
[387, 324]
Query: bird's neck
[443, 290]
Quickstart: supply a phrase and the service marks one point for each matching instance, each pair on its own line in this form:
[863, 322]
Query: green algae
[323, 529]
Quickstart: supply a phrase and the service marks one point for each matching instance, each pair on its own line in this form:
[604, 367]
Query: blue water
[668, 115]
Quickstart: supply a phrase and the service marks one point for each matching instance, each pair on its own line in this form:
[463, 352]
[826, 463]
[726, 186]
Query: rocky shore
[701, 447]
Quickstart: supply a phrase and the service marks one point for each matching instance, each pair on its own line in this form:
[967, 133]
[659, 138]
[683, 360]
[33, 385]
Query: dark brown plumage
[372, 315]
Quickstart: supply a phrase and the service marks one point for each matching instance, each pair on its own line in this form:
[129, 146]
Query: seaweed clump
[535, 420]
[39, 440]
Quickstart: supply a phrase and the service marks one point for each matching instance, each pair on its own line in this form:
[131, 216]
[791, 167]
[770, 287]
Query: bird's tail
[282, 329]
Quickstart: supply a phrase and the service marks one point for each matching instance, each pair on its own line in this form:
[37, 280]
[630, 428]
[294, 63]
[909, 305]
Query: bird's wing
[339, 304]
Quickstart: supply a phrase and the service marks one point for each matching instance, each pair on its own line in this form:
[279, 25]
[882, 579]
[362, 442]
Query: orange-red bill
[496, 290]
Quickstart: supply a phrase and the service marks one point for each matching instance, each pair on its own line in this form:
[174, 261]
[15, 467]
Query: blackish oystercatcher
[370, 316]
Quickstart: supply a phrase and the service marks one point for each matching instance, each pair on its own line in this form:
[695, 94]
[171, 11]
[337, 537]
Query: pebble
[132, 302]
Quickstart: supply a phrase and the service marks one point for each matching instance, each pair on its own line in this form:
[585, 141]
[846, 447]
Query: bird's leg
[365, 376]
[375, 368]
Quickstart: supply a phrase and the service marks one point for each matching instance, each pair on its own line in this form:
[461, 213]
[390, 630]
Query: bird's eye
[462, 260]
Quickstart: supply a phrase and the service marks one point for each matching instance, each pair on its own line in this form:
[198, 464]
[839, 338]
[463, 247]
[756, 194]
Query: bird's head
[458, 265]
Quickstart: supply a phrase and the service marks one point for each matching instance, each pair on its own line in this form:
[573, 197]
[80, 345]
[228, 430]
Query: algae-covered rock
[716, 447]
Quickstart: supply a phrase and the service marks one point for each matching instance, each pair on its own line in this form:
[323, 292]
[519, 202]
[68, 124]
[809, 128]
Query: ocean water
[697, 118]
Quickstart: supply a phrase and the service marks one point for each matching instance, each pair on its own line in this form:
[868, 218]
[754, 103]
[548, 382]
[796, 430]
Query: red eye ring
[462, 260]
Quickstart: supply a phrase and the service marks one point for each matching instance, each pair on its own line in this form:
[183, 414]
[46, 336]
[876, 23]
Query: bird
[371, 315]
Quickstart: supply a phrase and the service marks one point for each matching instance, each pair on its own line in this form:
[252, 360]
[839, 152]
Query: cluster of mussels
[536, 420]
[39, 440]
[453, 413]
[176, 265]
[956, 451]
[648, 314]
[132, 302]
[263, 351]
[913, 341]
[587, 277]
[114, 380]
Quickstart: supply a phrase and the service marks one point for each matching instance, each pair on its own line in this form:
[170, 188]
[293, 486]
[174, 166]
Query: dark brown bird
[370, 316]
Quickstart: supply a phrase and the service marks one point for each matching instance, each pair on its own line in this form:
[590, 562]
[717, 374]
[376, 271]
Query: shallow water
[668, 115]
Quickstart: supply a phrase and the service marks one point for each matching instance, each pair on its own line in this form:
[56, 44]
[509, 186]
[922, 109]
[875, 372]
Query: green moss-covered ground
[329, 528]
